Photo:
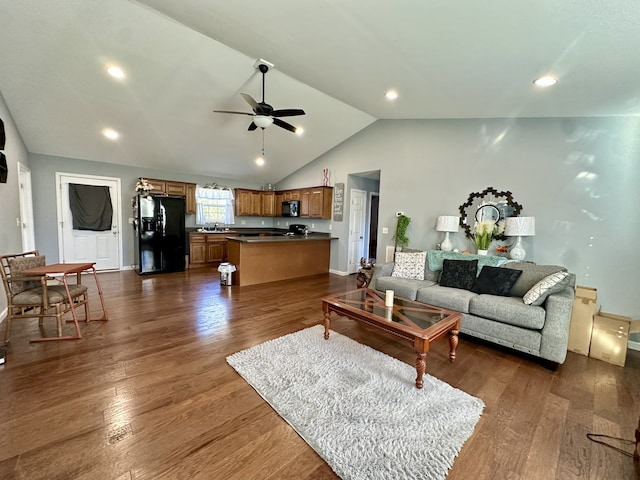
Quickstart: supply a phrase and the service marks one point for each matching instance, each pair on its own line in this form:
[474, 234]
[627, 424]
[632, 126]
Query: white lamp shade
[520, 226]
[262, 121]
[447, 223]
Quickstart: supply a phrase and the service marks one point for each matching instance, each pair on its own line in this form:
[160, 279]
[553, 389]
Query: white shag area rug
[359, 408]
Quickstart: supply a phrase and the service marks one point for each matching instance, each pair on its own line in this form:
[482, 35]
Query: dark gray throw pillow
[458, 273]
[496, 281]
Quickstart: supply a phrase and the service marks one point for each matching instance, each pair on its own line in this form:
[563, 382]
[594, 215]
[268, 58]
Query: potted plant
[401, 231]
[483, 233]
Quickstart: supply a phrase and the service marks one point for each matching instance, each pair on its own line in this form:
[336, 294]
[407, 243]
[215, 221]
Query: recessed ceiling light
[299, 131]
[110, 133]
[260, 161]
[391, 95]
[115, 72]
[546, 81]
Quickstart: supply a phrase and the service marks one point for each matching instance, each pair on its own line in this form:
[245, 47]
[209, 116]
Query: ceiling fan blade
[287, 112]
[250, 101]
[252, 127]
[284, 125]
[237, 113]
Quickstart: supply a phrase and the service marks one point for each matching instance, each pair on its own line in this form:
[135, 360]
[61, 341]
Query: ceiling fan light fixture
[391, 95]
[299, 131]
[260, 161]
[262, 121]
[115, 71]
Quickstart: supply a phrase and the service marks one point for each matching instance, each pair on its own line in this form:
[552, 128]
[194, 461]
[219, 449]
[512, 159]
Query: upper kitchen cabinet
[268, 203]
[319, 199]
[314, 202]
[182, 189]
[248, 202]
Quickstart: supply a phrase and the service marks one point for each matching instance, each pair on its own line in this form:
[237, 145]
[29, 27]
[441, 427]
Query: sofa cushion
[446, 297]
[496, 281]
[436, 258]
[17, 265]
[409, 265]
[402, 287]
[510, 310]
[459, 273]
[522, 339]
[531, 274]
[554, 283]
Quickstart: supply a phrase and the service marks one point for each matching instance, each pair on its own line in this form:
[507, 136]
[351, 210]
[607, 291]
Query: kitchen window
[214, 205]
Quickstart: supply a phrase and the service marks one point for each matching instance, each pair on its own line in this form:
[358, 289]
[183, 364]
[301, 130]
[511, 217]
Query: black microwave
[291, 208]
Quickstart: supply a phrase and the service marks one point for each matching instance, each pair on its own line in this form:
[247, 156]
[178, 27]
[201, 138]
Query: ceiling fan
[263, 113]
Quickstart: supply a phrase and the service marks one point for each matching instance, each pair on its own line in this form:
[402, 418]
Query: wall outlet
[385, 231]
[243, 222]
[286, 224]
[278, 223]
[131, 221]
[262, 222]
[329, 226]
[313, 225]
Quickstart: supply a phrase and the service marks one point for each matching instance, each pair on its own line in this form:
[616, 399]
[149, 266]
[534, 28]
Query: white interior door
[26, 208]
[357, 217]
[104, 248]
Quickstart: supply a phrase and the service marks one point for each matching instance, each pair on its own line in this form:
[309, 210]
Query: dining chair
[39, 296]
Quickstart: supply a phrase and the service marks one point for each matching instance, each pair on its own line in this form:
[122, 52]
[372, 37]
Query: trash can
[226, 270]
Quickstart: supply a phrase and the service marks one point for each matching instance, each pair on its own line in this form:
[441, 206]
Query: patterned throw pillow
[409, 265]
[459, 273]
[554, 283]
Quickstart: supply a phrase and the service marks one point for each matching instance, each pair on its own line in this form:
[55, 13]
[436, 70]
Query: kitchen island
[271, 259]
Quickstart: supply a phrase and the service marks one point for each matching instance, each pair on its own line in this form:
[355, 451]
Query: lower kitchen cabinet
[207, 248]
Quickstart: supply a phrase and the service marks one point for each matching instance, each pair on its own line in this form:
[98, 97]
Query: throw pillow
[458, 274]
[496, 281]
[409, 265]
[554, 283]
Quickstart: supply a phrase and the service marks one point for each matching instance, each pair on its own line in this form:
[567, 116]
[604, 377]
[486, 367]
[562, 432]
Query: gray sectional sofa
[539, 330]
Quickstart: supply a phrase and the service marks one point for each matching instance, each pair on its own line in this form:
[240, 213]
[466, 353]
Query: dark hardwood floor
[148, 394]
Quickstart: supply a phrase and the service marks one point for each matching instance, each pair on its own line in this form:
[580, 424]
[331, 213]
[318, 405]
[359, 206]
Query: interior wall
[43, 176]
[576, 176]
[16, 152]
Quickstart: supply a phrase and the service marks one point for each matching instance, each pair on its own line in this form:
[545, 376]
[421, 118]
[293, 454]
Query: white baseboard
[633, 345]
[339, 272]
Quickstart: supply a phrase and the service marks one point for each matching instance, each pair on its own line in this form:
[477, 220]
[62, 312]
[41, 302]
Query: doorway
[102, 247]
[27, 228]
[374, 204]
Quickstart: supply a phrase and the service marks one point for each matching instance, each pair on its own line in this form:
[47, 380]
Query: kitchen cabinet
[182, 189]
[268, 204]
[248, 202]
[207, 248]
[197, 249]
[315, 202]
[216, 248]
[190, 205]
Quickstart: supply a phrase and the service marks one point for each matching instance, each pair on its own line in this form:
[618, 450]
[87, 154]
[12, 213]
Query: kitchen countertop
[283, 238]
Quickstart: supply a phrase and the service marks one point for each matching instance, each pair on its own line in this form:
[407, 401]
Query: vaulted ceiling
[335, 59]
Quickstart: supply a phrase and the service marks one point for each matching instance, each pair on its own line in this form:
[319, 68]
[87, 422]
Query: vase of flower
[483, 233]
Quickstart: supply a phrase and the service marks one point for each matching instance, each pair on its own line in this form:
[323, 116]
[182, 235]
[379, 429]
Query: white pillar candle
[388, 298]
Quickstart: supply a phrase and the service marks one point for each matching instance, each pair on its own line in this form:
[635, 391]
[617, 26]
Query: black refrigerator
[158, 224]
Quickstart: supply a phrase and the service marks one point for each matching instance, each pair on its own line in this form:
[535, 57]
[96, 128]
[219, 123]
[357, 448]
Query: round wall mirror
[490, 204]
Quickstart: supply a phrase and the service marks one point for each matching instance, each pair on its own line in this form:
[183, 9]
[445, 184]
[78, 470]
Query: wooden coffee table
[417, 323]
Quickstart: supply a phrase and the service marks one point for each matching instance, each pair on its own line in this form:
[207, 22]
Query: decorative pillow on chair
[458, 273]
[554, 283]
[409, 265]
[496, 281]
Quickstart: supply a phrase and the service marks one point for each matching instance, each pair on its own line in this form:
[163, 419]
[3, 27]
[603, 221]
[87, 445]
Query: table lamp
[447, 223]
[519, 227]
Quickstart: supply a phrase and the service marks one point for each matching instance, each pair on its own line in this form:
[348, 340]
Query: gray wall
[16, 152]
[579, 177]
[44, 170]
